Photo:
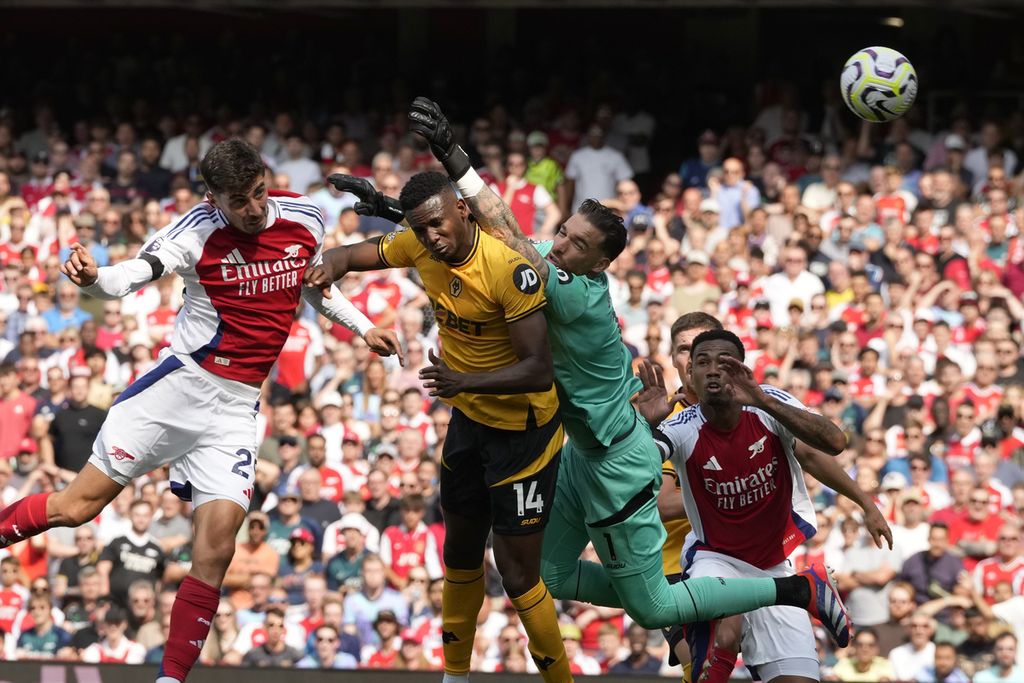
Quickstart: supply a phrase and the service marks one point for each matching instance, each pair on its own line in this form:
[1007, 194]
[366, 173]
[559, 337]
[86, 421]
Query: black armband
[154, 263]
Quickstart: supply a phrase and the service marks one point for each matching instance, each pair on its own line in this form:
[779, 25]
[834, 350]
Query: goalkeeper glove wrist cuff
[392, 210]
[457, 163]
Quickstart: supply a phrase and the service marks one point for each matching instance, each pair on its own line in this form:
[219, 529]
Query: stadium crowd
[875, 273]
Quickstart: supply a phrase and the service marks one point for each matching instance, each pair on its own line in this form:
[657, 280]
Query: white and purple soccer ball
[878, 84]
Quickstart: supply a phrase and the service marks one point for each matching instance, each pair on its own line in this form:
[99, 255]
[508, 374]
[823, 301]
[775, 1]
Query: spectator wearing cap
[115, 647]
[285, 518]
[16, 411]
[383, 654]
[580, 663]
[325, 654]
[347, 553]
[542, 170]
[411, 656]
[374, 598]
[299, 564]
[694, 171]
[691, 287]
[37, 186]
[910, 533]
[252, 556]
[594, 170]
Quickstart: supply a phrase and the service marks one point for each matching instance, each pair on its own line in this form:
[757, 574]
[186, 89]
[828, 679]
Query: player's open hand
[876, 525]
[80, 266]
[371, 202]
[426, 119]
[742, 385]
[384, 343]
[441, 380]
[653, 401]
[318, 277]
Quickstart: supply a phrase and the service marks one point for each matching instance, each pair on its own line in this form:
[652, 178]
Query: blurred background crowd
[873, 271]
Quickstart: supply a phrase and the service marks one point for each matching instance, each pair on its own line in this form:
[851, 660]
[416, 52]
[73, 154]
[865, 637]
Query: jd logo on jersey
[526, 279]
[455, 286]
[563, 277]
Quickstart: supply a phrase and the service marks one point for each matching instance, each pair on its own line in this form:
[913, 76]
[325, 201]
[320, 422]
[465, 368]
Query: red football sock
[720, 666]
[193, 611]
[23, 519]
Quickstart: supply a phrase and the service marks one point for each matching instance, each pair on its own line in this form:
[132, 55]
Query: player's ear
[462, 207]
[601, 265]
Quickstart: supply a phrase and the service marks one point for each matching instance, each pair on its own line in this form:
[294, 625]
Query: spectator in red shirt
[1003, 567]
[976, 532]
[16, 410]
[409, 544]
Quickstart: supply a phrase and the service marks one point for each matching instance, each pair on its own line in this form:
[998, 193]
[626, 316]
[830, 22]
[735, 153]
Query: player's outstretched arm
[339, 309]
[108, 282]
[825, 469]
[340, 260]
[816, 431]
[532, 372]
[492, 214]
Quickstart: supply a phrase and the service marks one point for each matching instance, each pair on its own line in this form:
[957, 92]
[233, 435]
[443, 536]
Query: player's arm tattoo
[496, 219]
[816, 431]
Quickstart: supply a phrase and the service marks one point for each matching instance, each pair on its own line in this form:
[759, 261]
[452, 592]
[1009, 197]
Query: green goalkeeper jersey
[593, 368]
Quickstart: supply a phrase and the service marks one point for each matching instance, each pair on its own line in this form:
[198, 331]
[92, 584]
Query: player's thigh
[154, 421]
[463, 490]
[222, 465]
[792, 670]
[779, 634]
[620, 498]
[521, 474]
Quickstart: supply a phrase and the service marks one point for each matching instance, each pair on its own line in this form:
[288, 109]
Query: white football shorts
[777, 640]
[179, 414]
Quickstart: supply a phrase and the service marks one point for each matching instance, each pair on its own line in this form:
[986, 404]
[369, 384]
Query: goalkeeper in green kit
[610, 472]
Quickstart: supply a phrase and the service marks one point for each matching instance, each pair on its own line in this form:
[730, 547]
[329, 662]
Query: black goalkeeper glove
[426, 119]
[371, 202]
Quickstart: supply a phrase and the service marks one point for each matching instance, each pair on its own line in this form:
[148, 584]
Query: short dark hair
[422, 187]
[607, 223]
[412, 502]
[714, 335]
[694, 320]
[232, 166]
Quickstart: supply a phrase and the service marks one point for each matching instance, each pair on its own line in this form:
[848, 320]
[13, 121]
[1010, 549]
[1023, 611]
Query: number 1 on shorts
[531, 501]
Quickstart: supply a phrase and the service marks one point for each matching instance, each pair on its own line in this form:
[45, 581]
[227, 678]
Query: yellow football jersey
[474, 301]
[671, 552]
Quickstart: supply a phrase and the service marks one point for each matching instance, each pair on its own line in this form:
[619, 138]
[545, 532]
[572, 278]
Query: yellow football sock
[460, 604]
[537, 612]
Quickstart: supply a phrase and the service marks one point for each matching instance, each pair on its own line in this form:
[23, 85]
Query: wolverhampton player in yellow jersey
[500, 458]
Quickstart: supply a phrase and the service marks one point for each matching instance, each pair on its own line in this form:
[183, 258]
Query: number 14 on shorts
[528, 499]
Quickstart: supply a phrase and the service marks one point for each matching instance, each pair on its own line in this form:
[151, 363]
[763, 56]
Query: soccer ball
[878, 84]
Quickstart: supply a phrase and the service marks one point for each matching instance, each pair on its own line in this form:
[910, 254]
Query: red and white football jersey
[990, 572]
[240, 289]
[745, 496]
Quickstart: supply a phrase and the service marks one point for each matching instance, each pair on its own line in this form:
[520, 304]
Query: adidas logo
[202, 621]
[713, 465]
[197, 643]
[234, 256]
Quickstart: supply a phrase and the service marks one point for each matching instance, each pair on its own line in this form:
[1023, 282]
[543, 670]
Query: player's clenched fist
[80, 266]
[439, 379]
